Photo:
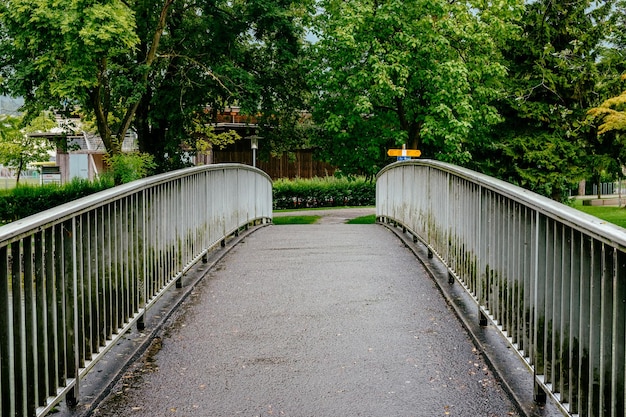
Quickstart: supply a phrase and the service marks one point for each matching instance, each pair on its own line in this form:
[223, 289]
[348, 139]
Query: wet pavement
[326, 319]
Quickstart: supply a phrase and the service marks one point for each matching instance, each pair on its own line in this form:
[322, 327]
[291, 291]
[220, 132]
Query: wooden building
[299, 163]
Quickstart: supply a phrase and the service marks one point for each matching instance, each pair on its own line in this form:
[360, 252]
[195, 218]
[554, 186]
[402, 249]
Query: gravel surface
[316, 320]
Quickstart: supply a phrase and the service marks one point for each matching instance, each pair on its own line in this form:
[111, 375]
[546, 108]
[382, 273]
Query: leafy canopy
[553, 80]
[422, 73]
[611, 113]
[58, 53]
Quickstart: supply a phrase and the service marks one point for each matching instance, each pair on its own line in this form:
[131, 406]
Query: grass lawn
[282, 220]
[371, 219]
[9, 183]
[615, 215]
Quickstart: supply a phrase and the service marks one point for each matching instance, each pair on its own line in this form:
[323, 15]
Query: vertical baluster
[93, 274]
[41, 306]
[595, 326]
[554, 329]
[584, 330]
[30, 325]
[618, 353]
[575, 314]
[80, 293]
[6, 389]
[606, 330]
[123, 250]
[540, 328]
[117, 253]
[86, 290]
[19, 371]
[564, 315]
[51, 310]
[70, 303]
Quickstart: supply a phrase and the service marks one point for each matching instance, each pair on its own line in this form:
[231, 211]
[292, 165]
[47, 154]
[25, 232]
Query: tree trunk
[113, 143]
[20, 166]
[150, 57]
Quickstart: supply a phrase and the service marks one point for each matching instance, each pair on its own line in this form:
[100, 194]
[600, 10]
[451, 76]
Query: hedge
[26, 200]
[323, 192]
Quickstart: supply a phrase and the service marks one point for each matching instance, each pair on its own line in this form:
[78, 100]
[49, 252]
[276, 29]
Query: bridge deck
[326, 319]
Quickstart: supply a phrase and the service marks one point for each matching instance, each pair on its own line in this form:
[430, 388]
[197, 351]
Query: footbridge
[324, 319]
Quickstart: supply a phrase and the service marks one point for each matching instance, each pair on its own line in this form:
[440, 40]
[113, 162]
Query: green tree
[609, 147]
[130, 166]
[422, 73]
[612, 114]
[607, 151]
[151, 65]
[72, 53]
[217, 54]
[18, 148]
[543, 144]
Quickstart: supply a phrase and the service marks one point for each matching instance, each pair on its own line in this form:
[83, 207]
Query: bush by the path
[323, 192]
[26, 200]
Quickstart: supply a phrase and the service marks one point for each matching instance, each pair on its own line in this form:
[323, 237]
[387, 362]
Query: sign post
[404, 153]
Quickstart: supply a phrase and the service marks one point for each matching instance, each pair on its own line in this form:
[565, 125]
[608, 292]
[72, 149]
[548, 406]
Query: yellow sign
[404, 152]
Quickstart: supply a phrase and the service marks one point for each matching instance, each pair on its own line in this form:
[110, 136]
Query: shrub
[127, 167]
[323, 192]
[27, 200]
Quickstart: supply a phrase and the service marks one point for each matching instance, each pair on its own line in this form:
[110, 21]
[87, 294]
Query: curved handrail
[59, 213]
[592, 225]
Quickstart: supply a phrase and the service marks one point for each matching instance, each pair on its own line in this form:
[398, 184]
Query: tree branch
[150, 57]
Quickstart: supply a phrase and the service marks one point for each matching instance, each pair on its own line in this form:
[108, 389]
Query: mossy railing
[551, 278]
[75, 278]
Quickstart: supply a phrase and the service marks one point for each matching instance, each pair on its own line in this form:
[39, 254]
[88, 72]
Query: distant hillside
[9, 105]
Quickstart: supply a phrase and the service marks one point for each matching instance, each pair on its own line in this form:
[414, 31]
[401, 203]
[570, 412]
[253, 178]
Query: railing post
[71, 305]
[539, 395]
[6, 400]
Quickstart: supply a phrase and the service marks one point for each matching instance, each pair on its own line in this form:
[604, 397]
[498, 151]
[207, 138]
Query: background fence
[551, 278]
[73, 279]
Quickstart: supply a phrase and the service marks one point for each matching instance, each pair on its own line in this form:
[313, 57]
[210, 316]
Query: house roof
[79, 141]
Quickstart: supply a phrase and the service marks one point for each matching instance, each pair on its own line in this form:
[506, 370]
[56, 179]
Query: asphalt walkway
[327, 319]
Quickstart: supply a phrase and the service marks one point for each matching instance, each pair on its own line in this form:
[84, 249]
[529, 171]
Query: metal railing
[73, 279]
[551, 278]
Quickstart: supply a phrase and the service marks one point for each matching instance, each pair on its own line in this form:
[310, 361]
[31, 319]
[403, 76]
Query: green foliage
[217, 54]
[323, 192]
[206, 139]
[70, 52]
[543, 144]
[131, 166]
[422, 73]
[611, 114]
[24, 201]
[18, 148]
